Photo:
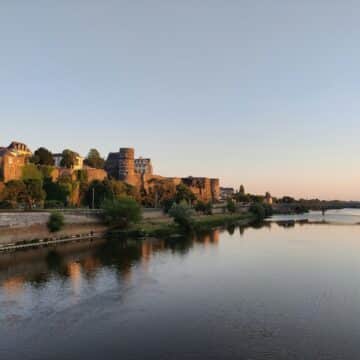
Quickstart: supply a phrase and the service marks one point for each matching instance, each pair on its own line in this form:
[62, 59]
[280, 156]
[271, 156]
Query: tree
[203, 207]
[182, 215]
[183, 193]
[94, 159]
[56, 222]
[31, 171]
[14, 192]
[34, 194]
[43, 156]
[68, 159]
[56, 191]
[97, 192]
[258, 210]
[121, 212]
[230, 206]
[242, 190]
[158, 192]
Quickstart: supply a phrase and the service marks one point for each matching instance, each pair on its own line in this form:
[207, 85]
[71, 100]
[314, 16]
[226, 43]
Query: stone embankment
[26, 219]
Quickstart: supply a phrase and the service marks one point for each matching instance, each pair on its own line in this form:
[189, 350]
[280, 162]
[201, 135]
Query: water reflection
[84, 259]
[269, 291]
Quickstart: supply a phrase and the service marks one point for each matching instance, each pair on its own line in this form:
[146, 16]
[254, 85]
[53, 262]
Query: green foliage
[46, 170]
[183, 193]
[167, 205]
[81, 175]
[31, 171]
[268, 210]
[56, 191]
[94, 159]
[230, 206]
[14, 192]
[56, 222]
[53, 204]
[121, 212]
[203, 207]
[258, 210]
[34, 194]
[107, 189]
[182, 215]
[29, 192]
[287, 200]
[43, 156]
[68, 159]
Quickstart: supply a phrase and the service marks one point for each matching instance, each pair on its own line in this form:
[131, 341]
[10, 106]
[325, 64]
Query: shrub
[230, 206]
[258, 210]
[121, 212]
[182, 215]
[53, 204]
[203, 207]
[167, 205]
[56, 222]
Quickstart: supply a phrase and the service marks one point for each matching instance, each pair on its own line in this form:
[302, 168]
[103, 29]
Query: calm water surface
[287, 290]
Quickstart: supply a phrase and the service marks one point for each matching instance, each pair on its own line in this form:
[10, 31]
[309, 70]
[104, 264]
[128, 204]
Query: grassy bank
[166, 227]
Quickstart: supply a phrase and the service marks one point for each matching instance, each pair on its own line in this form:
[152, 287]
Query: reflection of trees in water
[121, 255]
[231, 229]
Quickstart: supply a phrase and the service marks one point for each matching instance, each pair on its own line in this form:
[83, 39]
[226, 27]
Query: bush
[182, 215]
[167, 205]
[203, 207]
[121, 212]
[230, 206]
[53, 204]
[56, 222]
[268, 210]
[258, 210]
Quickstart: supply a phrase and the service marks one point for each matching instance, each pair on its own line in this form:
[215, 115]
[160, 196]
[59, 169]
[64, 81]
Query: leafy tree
[99, 191]
[182, 215]
[183, 193]
[56, 222]
[121, 212]
[34, 193]
[242, 190]
[121, 188]
[43, 156]
[287, 200]
[158, 193]
[258, 210]
[56, 191]
[94, 159]
[14, 192]
[203, 207]
[68, 159]
[31, 171]
[230, 206]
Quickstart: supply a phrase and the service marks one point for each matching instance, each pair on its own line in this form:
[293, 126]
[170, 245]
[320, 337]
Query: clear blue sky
[264, 93]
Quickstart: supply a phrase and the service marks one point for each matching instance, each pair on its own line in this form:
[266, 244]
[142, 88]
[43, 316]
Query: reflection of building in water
[74, 271]
[210, 238]
[14, 285]
[215, 236]
[90, 264]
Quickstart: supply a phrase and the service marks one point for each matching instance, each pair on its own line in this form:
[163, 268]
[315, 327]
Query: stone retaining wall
[26, 219]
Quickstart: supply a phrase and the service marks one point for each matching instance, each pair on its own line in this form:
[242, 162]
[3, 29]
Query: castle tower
[215, 189]
[127, 164]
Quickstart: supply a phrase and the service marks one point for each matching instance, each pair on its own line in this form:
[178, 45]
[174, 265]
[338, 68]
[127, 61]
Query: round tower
[127, 164]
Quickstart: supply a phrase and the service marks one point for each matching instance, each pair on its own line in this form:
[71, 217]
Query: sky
[261, 93]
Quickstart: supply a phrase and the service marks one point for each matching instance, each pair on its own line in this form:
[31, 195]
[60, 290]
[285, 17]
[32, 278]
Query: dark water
[288, 291]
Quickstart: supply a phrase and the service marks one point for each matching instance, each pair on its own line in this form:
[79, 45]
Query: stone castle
[121, 165]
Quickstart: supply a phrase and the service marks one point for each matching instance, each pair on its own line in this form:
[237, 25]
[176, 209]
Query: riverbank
[39, 236]
[164, 227]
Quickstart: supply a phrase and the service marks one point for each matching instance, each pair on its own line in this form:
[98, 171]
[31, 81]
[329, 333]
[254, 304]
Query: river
[289, 289]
